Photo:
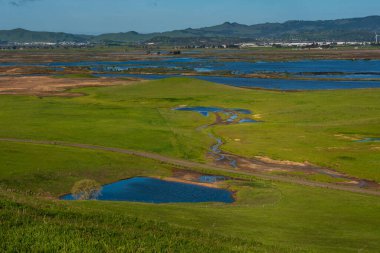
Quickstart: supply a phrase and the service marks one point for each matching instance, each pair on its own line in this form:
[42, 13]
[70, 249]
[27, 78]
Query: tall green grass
[283, 215]
[31, 225]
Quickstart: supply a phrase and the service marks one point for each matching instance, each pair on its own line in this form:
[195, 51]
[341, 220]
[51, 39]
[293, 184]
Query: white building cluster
[304, 44]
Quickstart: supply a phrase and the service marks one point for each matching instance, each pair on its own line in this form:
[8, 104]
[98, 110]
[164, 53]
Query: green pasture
[320, 127]
[268, 216]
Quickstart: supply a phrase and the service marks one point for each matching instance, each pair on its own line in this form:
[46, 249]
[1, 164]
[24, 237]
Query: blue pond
[206, 110]
[202, 110]
[151, 190]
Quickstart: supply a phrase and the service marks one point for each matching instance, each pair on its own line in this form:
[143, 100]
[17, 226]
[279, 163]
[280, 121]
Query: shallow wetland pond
[152, 190]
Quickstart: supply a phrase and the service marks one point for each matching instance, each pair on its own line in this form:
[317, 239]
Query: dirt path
[192, 165]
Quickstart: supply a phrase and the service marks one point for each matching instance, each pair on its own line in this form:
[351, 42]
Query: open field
[137, 115]
[318, 127]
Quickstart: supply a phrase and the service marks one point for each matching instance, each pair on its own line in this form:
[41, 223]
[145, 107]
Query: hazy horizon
[146, 16]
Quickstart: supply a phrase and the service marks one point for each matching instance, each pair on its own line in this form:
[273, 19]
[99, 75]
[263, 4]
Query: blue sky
[101, 16]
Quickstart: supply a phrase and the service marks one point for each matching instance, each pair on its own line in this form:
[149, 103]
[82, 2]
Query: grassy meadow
[267, 217]
[320, 127]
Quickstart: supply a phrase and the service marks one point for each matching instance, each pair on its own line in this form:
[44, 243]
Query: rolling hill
[353, 29]
[22, 35]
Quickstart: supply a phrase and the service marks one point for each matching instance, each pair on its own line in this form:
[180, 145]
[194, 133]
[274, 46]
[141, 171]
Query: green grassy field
[267, 217]
[29, 225]
[301, 126]
[280, 217]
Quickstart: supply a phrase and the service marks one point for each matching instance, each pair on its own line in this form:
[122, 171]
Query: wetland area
[274, 155]
[287, 75]
[189, 126]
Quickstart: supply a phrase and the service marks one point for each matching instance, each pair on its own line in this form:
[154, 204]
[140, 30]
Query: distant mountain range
[353, 29]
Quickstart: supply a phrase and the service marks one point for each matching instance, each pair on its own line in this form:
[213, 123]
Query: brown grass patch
[49, 86]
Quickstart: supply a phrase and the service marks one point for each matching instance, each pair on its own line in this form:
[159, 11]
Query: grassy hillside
[30, 225]
[319, 127]
[22, 35]
[123, 37]
[267, 217]
[37, 168]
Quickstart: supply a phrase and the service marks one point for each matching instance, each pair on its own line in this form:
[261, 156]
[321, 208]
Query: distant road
[192, 165]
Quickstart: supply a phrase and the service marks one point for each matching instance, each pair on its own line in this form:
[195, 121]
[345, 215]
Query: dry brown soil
[50, 86]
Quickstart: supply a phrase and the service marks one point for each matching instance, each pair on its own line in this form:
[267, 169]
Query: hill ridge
[348, 29]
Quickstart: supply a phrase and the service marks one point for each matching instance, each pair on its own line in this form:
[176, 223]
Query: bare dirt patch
[50, 86]
[180, 180]
[269, 166]
[192, 177]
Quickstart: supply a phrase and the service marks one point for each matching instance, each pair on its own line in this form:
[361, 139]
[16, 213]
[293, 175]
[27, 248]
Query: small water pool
[151, 190]
[202, 110]
[369, 140]
[206, 110]
[247, 121]
[211, 179]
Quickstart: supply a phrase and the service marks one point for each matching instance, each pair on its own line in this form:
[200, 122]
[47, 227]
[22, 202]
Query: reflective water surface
[152, 190]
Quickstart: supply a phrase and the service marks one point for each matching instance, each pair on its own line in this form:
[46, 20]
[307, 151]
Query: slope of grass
[31, 225]
[303, 126]
[315, 126]
[268, 216]
[53, 170]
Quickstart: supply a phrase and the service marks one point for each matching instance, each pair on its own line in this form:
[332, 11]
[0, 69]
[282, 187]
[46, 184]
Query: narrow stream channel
[234, 116]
